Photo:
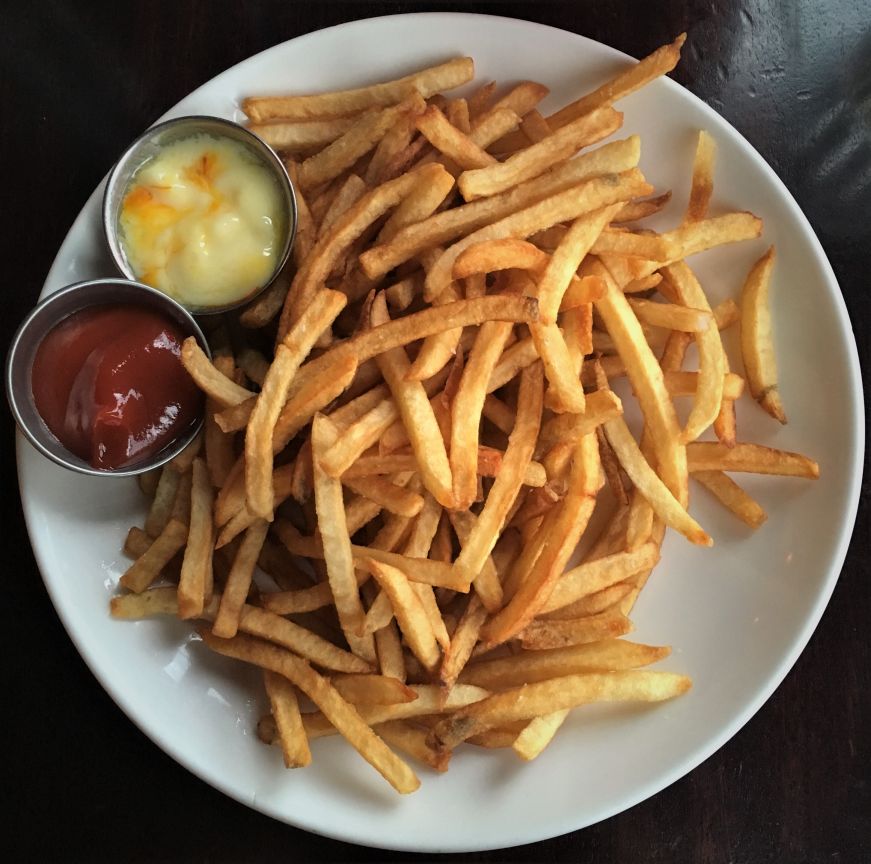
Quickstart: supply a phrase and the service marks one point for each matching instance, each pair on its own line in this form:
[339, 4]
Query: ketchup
[109, 384]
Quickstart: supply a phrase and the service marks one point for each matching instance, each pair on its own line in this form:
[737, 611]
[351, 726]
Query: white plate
[737, 616]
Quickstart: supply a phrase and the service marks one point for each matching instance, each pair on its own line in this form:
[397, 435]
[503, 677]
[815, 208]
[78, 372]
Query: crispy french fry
[495, 177]
[660, 62]
[220, 388]
[757, 347]
[557, 694]
[750, 458]
[703, 178]
[288, 722]
[341, 103]
[239, 581]
[732, 496]
[288, 358]
[450, 141]
[195, 582]
[340, 713]
[337, 544]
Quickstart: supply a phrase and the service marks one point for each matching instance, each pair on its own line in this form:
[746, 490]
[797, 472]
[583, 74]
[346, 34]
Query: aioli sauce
[109, 384]
[202, 221]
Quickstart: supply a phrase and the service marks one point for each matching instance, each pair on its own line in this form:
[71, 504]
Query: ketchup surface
[109, 383]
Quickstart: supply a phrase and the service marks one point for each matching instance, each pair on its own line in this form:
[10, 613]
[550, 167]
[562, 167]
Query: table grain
[78, 81]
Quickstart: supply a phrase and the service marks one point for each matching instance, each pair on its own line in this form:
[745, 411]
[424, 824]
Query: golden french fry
[672, 316]
[757, 347]
[161, 507]
[410, 614]
[558, 633]
[593, 576]
[450, 141]
[538, 734]
[703, 178]
[545, 697]
[660, 62]
[387, 494]
[732, 496]
[288, 722]
[220, 388]
[441, 228]
[289, 356]
[361, 689]
[646, 480]
[195, 582]
[337, 543]
[239, 581]
[582, 198]
[521, 444]
[467, 406]
[635, 210]
[463, 641]
[134, 607]
[340, 103]
[750, 458]
[301, 136]
[495, 177]
[564, 526]
[647, 381]
[340, 713]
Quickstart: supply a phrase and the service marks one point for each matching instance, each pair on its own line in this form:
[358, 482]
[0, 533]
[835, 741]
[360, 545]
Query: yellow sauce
[202, 221]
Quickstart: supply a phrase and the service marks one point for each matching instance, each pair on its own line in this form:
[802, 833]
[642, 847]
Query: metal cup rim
[40, 435]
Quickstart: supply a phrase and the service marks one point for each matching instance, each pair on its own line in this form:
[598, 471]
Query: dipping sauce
[203, 221]
[109, 384]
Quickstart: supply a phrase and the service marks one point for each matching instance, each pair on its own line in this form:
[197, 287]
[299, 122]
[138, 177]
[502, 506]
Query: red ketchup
[109, 384]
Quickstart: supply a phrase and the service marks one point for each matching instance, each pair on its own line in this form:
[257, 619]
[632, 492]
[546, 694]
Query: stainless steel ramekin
[149, 144]
[35, 327]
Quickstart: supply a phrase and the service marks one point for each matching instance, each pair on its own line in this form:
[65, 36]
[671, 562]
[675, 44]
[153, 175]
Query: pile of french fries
[410, 433]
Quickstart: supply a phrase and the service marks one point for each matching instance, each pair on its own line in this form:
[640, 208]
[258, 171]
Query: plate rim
[799, 640]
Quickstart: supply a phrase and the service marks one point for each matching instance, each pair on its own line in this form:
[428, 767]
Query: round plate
[737, 616]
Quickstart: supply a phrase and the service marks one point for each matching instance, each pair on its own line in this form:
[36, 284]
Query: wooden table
[78, 82]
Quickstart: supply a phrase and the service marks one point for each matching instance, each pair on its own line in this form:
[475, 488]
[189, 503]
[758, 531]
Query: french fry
[463, 641]
[387, 494]
[757, 348]
[215, 385]
[288, 722]
[559, 538]
[703, 178]
[521, 445]
[420, 203]
[450, 141]
[417, 417]
[647, 381]
[411, 740]
[545, 697]
[601, 573]
[712, 362]
[620, 156]
[341, 103]
[135, 607]
[494, 177]
[582, 198]
[658, 495]
[337, 544]
[467, 406]
[340, 713]
[732, 496]
[289, 356]
[350, 192]
[660, 62]
[145, 569]
[567, 257]
[301, 136]
[671, 316]
[361, 689]
[558, 633]
[239, 581]
[161, 507]
[195, 582]
[750, 458]
[410, 614]
[538, 734]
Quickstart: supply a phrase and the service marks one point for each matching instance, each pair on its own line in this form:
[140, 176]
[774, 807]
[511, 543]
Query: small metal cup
[50, 312]
[149, 144]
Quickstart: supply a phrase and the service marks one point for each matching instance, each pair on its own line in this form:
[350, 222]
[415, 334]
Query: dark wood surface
[77, 82]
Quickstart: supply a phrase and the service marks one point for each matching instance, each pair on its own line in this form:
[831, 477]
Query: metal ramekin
[149, 143]
[35, 327]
